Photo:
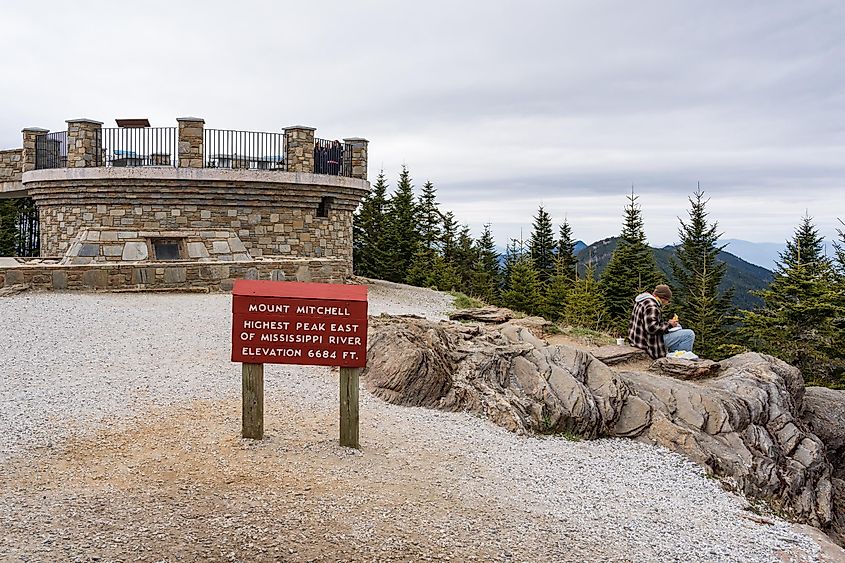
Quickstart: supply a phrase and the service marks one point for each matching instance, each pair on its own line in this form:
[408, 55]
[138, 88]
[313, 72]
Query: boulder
[743, 424]
[824, 415]
[685, 369]
[615, 354]
[14, 289]
[487, 314]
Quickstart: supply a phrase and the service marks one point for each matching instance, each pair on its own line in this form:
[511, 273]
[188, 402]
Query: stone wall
[170, 275]
[191, 130]
[11, 165]
[264, 231]
[93, 246]
[273, 213]
[84, 143]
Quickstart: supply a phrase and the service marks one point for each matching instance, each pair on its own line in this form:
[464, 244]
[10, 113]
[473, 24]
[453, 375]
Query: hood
[644, 296]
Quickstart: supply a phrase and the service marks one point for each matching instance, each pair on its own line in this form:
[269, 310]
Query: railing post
[299, 148]
[30, 141]
[84, 143]
[355, 160]
[191, 130]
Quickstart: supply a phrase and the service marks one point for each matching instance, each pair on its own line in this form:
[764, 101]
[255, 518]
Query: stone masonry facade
[11, 163]
[210, 277]
[272, 231]
[191, 225]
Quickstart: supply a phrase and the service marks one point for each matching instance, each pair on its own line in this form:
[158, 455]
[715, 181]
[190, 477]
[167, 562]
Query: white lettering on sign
[347, 340]
[293, 338]
[266, 325]
[344, 327]
[310, 326]
[275, 352]
[321, 310]
[268, 308]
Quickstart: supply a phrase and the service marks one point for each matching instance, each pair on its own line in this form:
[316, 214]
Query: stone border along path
[119, 440]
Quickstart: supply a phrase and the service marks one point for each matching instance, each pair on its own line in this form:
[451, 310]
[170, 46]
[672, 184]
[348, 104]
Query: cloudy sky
[503, 105]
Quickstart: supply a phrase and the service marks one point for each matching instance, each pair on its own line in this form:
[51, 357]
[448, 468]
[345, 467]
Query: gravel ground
[119, 441]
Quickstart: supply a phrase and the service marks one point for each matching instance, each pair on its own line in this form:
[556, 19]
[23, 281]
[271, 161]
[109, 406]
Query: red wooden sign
[299, 323]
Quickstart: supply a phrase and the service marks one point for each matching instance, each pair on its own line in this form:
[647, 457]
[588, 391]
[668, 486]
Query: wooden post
[253, 401]
[349, 407]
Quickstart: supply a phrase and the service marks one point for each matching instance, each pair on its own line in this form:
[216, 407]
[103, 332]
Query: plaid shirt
[646, 329]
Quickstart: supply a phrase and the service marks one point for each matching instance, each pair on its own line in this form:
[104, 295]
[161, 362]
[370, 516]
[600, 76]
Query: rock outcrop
[743, 424]
[824, 416]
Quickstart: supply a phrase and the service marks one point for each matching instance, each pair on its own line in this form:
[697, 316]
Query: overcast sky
[503, 105]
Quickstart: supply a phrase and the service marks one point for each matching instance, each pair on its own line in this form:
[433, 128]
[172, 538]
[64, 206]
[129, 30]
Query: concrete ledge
[10, 190]
[215, 276]
[192, 174]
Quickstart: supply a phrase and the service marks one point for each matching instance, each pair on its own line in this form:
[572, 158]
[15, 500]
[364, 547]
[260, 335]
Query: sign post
[299, 323]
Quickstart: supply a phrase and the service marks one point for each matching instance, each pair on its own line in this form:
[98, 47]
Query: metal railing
[249, 150]
[138, 146]
[329, 157]
[51, 150]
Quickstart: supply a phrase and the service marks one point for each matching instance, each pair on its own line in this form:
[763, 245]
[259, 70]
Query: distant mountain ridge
[741, 275]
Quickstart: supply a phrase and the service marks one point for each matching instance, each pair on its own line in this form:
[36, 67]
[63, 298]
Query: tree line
[408, 239]
[18, 227]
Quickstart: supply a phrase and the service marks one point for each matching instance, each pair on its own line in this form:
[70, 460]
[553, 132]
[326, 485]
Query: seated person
[647, 329]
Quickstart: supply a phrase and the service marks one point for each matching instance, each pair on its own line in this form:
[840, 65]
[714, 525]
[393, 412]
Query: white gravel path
[73, 362]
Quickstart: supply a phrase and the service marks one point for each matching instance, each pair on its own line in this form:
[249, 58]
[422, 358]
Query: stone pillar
[299, 148]
[355, 157]
[30, 134]
[191, 131]
[84, 143]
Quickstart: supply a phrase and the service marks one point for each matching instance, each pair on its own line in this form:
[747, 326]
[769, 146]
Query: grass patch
[588, 335]
[464, 301]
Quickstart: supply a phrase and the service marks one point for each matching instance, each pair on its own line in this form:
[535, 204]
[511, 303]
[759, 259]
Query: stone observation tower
[136, 206]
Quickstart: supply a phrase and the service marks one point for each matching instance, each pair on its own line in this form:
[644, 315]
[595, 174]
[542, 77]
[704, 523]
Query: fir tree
[566, 252]
[698, 273]
[368, 226]
[631, 269]
[806, 248]
[464, 257]
[429, 218]
[542, 245]
[8, 227]
[523, 290]
[514, 251]
[586, 306]
[402, 234]
[449, 236]
[556, 296]
[422, 269]
[797, 322]
[486, 272]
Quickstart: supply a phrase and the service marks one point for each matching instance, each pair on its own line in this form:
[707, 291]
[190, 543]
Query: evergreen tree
[8, 227]
[585, 307]
[402, 233]
[422, 271]
[631, 269]
[698, 273]
[806, 249]
[542, 245]
[449, 236]
[523, 290]
[513, 252]
[464, 257]
[556, 296]
[486, 272]
[566, 252]
[429, 218]
[369, 252]
[797, 322]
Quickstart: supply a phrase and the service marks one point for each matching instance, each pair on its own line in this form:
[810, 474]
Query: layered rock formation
[744, 424]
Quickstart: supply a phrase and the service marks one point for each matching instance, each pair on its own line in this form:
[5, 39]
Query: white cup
[620, 341]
